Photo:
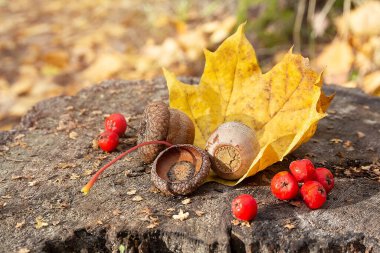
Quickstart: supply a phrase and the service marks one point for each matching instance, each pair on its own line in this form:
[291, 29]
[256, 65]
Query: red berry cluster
[115, 126]
[316, 183]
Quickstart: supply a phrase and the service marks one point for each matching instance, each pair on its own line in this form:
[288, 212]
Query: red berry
[244, 207]
[108, 141]
[116, 123]
[313, 194]
[303, 170]
[326, 178]
[284, 186]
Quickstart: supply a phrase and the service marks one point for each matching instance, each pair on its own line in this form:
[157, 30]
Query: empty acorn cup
[232, 146]
[180, 169]
[161, 123]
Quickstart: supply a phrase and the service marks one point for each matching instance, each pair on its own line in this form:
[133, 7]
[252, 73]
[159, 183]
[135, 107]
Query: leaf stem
[92, 181]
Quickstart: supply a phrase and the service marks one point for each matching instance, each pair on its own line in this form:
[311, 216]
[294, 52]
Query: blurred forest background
[56, 47]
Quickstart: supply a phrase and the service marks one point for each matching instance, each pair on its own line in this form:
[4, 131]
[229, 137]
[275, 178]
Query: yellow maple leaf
[283, 106]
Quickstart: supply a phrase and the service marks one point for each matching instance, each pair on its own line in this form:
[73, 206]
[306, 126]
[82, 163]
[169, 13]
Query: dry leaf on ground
[362, 21]
[59, 52]
[337, 59]
[283, 105]
[353, 58]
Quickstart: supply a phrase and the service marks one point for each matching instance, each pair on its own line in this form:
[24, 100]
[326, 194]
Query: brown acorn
[180, 169]
[161, 123]
[232, 146]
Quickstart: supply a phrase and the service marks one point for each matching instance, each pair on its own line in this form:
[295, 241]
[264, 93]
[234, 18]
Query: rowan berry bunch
[315, 183]
[115, 126]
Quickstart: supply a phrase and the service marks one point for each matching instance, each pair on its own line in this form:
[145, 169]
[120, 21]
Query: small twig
[310, 19]
[92, 181]
[326, 9]
[297, 25]
[346, 14]
[311, 10]
[14, 160]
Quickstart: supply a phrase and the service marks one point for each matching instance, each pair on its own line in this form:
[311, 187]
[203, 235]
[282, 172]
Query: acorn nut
[180, 169]
[161, 123]
[232, 146]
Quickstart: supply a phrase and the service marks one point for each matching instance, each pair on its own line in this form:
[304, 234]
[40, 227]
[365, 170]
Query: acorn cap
[180, 169]
[153, 127]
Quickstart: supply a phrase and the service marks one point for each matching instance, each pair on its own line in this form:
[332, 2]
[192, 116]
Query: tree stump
[49, 156]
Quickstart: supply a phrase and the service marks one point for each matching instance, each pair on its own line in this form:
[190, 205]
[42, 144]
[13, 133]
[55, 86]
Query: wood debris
[32, 183]
[19, 137]
[74, 176]
[245, 224]
[290, 226]
[87, 172]
[40, 223]
[131, 192]
[186, 201]
[235, 222]
[20, 224]
[73, 135]
[147, 211]
[96, 112]
[336, 140]
[20, 177]
[137, 198]
[3, 148]
[154, 189]
[296, 203]
[153, 225]
[360, 134]
[154, 222]
[199, 213]
[64, 165]
[149, 217]
[23, 250]
[95, 144]
[169, 212]
[66, 123]
[181, 215]
[347, 144]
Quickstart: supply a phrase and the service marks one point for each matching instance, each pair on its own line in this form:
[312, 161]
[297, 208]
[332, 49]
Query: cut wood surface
[49, 157]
